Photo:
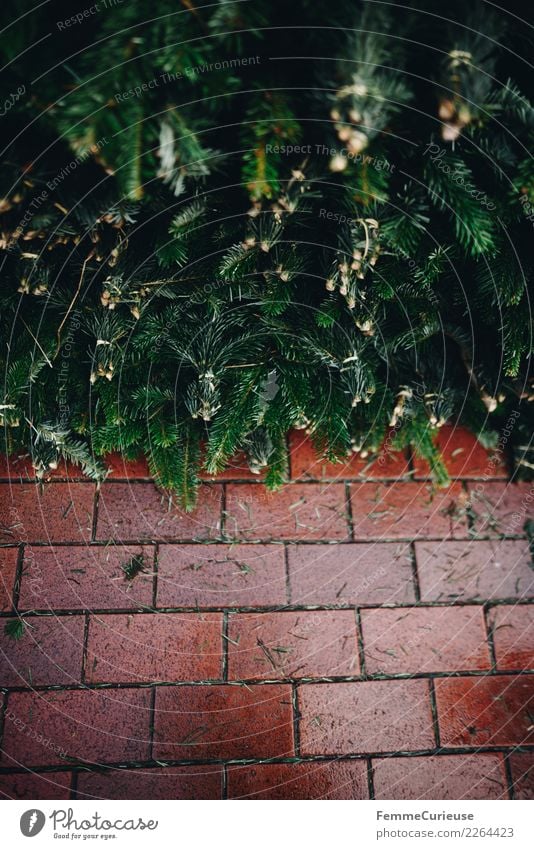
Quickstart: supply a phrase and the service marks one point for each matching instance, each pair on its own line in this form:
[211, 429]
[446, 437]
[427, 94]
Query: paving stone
[8, 571]
[351, 573]
[464, 456]
[304, 644]
[522, 769]
[295, 512]
[513, 636]
[479, 776]
[62, 512]
[33, 785]
[49, 651]
[305, 780]
[119, 468]
[223, 721]
[137, 511]
[172, 782]
[85, 577]
[407, 510]
[89, 726]
[220, 575]
[431, 639]
[306, 464]
[19, 467]
[136, 649]
[488, 711]
[236, 470]
[16, 466]
[501, 508]
[365, 717]
[474, 570]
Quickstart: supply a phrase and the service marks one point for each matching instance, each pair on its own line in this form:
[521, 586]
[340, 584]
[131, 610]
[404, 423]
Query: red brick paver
[522, 769]
[366, 716]
[184, 646]
[480, 776]
[501, 508]
[16, 466]
[432, 639]
[359, 633]
[90, 726]
[196, 723]
[20, 467]
[61, 512]
[407, 510]
[178, 782]
[491, 711]
[237, 470]
[137, 511]
[470, 571]
[32, 785]
[513, 630]
[209, 576]
[296, 512]
[306, 465]
[304, 644]
[464, 456]
[121, 469]
[86, 578]
[319, 780]
[373, 573]
[50, 651]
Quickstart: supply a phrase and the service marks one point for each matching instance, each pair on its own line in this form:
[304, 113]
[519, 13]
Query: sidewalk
[366, 636]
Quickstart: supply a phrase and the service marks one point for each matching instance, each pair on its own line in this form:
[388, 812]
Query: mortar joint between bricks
[370, 779]
[222, 514]
[224, 639]
[434, 712]
[415, 574]
[155, 562]
[256, 682]
[73, 785]
[489, 636]
[151, 763]
[104, 542]
[508, 773]
[85, 647]
[469, 513]
[296, 718]
[18, 579]
[348, 509]
[274, 608]
[94, 518]
[287, 575]
[152, 722]
[359, 640]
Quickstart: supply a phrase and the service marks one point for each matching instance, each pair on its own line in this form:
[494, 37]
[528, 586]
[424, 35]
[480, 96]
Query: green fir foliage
[223, 222]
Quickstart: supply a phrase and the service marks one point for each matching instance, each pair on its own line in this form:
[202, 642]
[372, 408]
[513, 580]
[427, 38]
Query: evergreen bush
[224, 221]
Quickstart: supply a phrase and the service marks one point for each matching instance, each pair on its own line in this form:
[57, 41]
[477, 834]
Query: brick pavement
[355, 635]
